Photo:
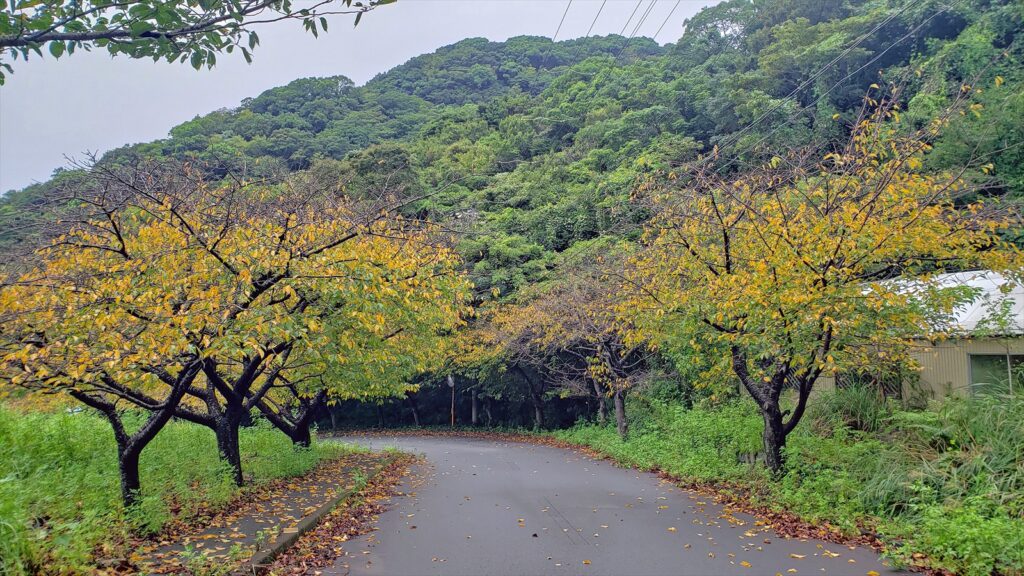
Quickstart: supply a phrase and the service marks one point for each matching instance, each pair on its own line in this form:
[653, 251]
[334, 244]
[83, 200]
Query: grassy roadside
[943, 488]
[60, 509]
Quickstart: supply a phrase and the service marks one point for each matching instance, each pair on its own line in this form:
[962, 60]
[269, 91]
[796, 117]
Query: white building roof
[997, 308]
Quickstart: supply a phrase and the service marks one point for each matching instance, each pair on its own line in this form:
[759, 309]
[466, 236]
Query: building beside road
[984, 352]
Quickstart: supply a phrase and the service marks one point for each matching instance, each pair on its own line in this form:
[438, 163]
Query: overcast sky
[91, 102]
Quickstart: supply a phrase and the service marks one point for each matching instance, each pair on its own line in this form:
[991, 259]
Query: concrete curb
[259, 563]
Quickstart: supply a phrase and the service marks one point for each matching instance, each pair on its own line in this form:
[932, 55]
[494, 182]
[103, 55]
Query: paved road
[482, 507]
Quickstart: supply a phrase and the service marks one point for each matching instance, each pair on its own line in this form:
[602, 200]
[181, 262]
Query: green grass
[59, 485]
[947, 482]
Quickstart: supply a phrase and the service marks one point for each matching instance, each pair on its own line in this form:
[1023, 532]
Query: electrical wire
[562, 21]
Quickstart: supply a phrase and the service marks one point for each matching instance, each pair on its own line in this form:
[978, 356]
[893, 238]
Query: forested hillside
[578, 186]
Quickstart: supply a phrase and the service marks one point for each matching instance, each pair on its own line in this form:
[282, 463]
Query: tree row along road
[485, 507]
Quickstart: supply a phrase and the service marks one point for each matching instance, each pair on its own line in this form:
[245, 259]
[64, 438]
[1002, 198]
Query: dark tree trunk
[620, 414]
[128, 466]
[380, 416]
[128, 453]
[774, 437]
[301, 434]
[473, 414]
[415, 410]
[602, 403]
[295, 421]
[487, 412]
[536, 386]
[538, 411]
[130, 446]
[301, 437]
[334, 423]
[227, 440]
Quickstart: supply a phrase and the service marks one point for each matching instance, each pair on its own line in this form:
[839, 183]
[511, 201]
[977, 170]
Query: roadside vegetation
[59, 495]
[942, 486]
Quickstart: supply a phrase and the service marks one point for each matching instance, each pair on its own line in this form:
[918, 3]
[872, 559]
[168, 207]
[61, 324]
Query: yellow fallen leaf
[798, 556]
[745, 564]
[672, 529]
[587, 562]
[872, 573]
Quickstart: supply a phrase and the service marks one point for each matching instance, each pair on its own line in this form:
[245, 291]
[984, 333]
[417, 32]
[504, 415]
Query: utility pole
[451, 384]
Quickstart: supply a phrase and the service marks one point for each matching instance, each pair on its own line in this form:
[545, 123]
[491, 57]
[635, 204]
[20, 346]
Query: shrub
[858, 407]
[970, 540]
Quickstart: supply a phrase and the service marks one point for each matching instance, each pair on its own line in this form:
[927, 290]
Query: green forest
[570, 199]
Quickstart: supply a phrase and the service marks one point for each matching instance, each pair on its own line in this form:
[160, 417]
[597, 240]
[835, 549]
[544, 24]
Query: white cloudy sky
[50, 109]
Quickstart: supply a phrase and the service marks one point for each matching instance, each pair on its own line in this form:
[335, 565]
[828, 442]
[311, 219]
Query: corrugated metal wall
[945, 366]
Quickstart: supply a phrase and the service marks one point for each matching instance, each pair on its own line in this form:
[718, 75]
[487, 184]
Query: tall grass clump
[857, 407]
[956, 487]
[59, 486]
[698, 445]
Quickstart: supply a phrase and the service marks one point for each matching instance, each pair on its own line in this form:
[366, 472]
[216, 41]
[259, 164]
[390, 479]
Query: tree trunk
[130, 446]
[536, 392]
[473, 414]
[415, 410]
[487, 412]
[620, 414]
[380, 416]
[301, 437]
[602, 403]
[128, 466]
[227, 440]
[538, 411]
[334, 423]
[774, 437]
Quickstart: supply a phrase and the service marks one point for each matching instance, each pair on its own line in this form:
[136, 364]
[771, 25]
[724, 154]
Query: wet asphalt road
[481, 507]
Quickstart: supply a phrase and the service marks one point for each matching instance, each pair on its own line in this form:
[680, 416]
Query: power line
[639, 23]
[735, 137]
[837, 84]
[671, 12]
[626, 25]
[562, 21]
[579, 47]
[598, 15]
[643, 18]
